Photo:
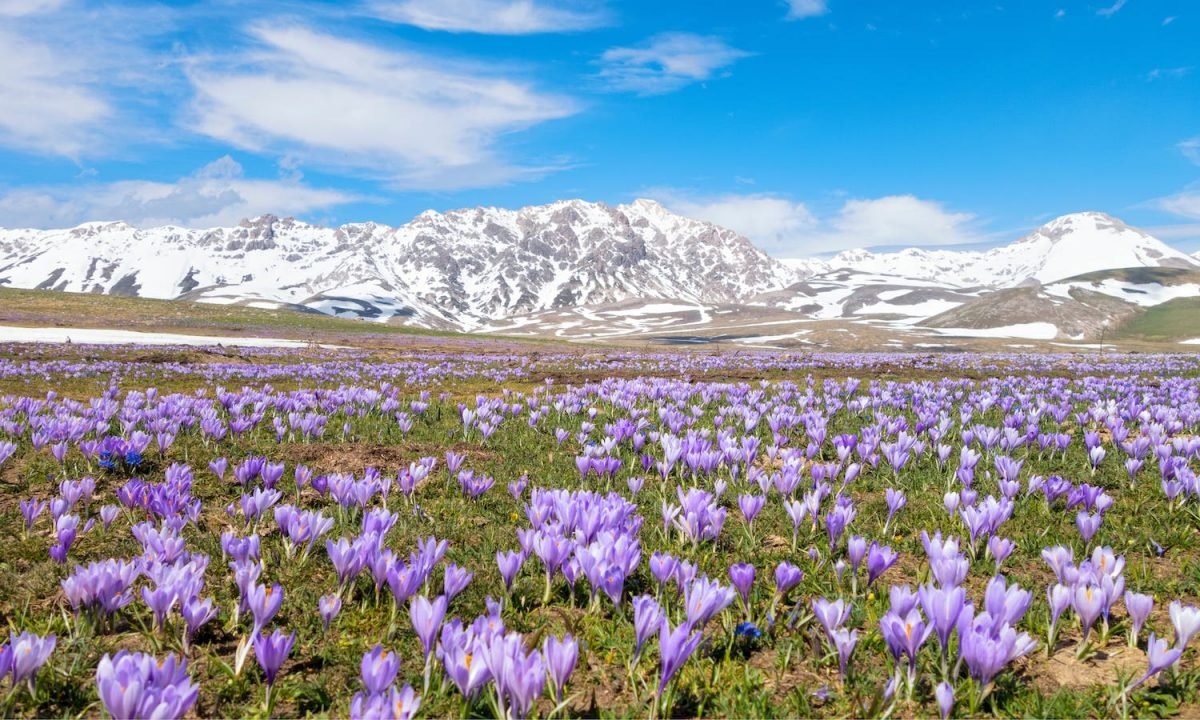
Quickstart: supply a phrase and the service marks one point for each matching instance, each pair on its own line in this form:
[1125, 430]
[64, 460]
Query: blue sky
[808, 125]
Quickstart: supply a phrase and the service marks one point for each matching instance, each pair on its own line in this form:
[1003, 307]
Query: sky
[809, 126]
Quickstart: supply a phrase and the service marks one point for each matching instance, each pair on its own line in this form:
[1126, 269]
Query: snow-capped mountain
[1064, 247]
[460, 269]
[589, 270]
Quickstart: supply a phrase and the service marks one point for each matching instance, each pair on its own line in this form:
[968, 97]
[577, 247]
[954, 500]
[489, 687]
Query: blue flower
[133, 458]
[106, 460]
[748, 629]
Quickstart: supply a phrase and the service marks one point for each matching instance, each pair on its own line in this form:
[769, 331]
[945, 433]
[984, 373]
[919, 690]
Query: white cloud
[491, 17]
[1111, 9]
[666, 62]
[772, 222]
[1061, 13]
[787, 228]
[1191, 149]
[1172, 73]
[1185, 204]
[76, 79]
[18, 8]
[1183, 231]
[46, 105]
[898, 220]
[1168, 20]
[217, 194]
[799, 9]
[411, 119]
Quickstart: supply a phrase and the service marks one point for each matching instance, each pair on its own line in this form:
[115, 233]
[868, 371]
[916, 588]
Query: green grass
[1140, 275]
[66, 309]
[1174, 320]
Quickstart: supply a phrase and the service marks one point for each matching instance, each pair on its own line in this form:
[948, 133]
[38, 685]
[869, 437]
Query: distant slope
[64, 309]
[1064, 247]
[1080, 315]
[1171, 321]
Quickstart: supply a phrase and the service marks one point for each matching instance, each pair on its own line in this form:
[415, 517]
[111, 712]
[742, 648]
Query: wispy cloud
[217, 194]
[411, 119]
[491, 17]
[19, 8]
[46, 103]
[1169, 73]
[1190, 149]
[667, 62]
[800, 9]
[789, 228]
[1111, 9]
[1185, 203]
[774, 223]
[75, 78]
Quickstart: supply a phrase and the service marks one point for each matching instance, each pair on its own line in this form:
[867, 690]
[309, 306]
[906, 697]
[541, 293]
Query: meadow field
[492, 529]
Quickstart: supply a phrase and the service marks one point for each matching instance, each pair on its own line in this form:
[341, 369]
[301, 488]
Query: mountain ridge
[474, 268]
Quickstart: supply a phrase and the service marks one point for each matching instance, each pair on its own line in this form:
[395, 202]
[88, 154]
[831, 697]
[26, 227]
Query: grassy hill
[63, 309]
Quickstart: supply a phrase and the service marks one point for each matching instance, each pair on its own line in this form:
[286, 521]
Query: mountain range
[589, 271]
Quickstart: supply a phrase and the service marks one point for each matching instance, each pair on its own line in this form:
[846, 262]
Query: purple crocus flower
[751, 506]
[1159, 656]
[742, 576]
[427, 618]
[395, 704]
[1058, 597]
[29, 654]
[1087, 524]
[1186, 620]
[520, 676]
[1006, 603]
[135, 685]
[271, 651]
[856, 549]
[648, 616]
[943, 607]
[1138, 606]
[663, 567]
[160, 600]
[1088, 601]
[561, 656]
[880, 559]
[902, 599]
[1000, 548]
[196, 613]
[944, 693]
[378, 669]
[787, 576]
[704, 598]
[455, 580]
[510, 564]
[895, 501]
[264, 603]
[987, 648]
[329, 606]
[905, 634]
[831, 614]
[108, 514]
[675, 646]
[30, 509]
[844, 641]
